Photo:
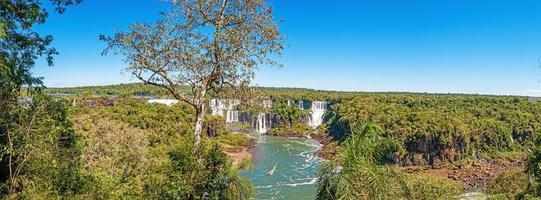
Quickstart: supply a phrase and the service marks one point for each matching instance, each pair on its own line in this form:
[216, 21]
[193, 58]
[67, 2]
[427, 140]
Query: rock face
[427, 150]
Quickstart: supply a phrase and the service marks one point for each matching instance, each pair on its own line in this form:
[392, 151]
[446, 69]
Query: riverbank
[238, 147]
[239, 155]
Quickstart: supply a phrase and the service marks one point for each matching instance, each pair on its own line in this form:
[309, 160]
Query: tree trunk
[200, 113]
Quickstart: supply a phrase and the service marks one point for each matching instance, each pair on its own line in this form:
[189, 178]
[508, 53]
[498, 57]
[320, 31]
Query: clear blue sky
[459, 46]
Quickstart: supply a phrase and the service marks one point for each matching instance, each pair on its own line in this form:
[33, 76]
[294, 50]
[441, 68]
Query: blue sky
[457, 46]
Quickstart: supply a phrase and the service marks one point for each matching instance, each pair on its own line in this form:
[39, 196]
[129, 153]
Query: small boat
[271, 171]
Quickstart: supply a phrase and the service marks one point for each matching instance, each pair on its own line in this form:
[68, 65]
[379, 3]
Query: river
[295, 174]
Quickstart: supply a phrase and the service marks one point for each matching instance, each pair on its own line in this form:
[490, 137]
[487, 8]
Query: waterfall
[317, 111]
[301, 104]
[261, 123]
[225, 108]
[232, 116]
[290, 102]
[168, 102]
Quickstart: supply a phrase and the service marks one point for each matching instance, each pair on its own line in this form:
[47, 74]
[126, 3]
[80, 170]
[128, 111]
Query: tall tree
[39, 131]
[207, 45]
[20, 45]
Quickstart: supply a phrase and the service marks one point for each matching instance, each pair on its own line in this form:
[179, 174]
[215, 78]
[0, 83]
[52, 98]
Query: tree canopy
[204, 44]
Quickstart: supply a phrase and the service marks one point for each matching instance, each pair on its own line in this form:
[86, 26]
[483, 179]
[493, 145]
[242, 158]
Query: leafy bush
[116, 155]
[235, 140]
[40, 154]
[356, 174]
[214, 126]
[432, 188]
[509, 184]
[202, 172]
[298, 129]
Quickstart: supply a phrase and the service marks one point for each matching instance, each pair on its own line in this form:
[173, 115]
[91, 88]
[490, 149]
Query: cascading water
[301, 104]
[317, 111]
[225, 108]
[261, 123]
[290, 102]
[232, 116]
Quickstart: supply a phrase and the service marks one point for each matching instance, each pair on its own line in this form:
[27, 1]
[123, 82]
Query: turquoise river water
[296, 168]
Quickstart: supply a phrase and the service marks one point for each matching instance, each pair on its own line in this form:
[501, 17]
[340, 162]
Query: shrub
[235, 140]
[432, 188]
[214, 126]
[510, 183]
[202, 172]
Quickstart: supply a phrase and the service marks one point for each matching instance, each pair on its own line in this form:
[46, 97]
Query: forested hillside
[429, 129]
[425, 128]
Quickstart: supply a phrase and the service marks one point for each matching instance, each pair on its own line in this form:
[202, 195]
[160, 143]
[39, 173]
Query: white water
[225, 108]
[168, 102]
[261, 123]
[317, 111]
[232, 116]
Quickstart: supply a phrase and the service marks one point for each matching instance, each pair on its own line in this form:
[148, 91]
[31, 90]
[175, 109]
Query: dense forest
[433, 128]
[417, 129]
[426, 128]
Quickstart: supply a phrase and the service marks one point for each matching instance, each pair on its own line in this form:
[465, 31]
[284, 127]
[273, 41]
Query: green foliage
[41, 153]
[167, 122]
[356, 174]
[287, 114]
[443, 127]
[533, 166]
[359, 172]
[202, 172]
[235, 140]
[433, 188]
[117, 156]
[214, 126]
[134, 151]
[297, 129]
[509, 184]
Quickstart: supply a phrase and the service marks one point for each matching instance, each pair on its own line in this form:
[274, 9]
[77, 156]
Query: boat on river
[271, 171]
